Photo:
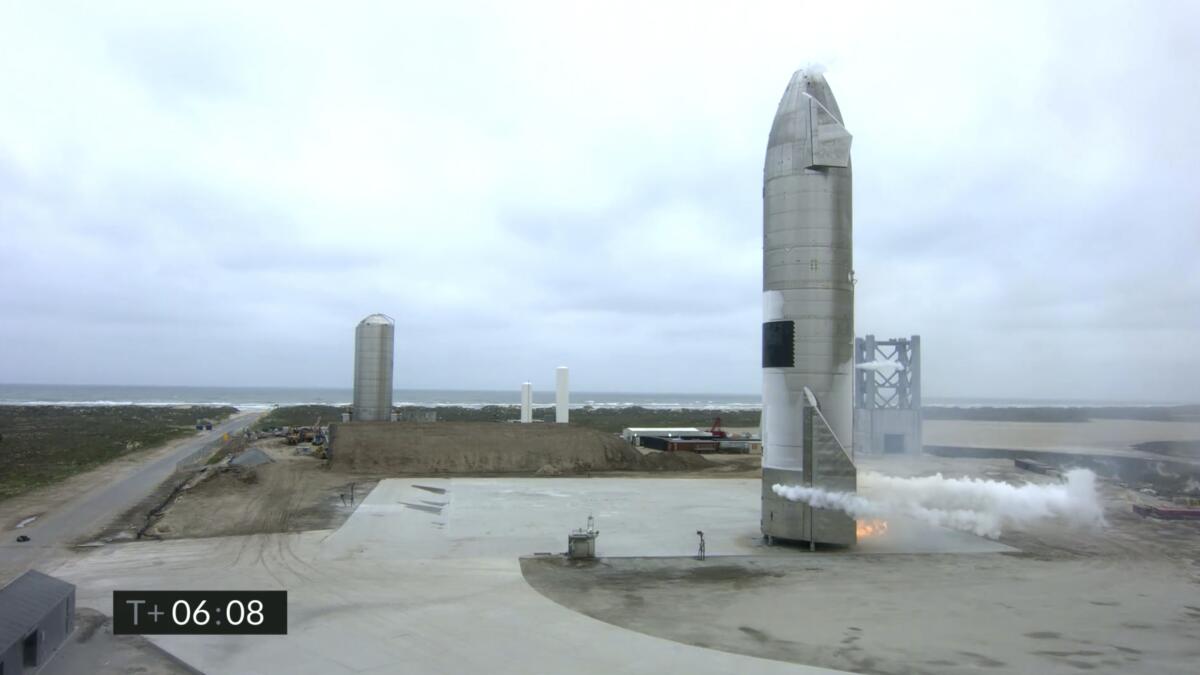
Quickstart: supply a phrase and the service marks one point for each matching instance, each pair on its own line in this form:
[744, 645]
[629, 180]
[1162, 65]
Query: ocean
[260, 398]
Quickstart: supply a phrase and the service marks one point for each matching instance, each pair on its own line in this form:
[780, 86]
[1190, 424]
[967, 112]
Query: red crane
[716, 431]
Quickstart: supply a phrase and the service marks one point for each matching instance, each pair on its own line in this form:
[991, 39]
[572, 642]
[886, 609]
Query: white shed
[634, 434]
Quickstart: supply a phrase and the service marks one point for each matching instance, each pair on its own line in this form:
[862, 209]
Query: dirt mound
[251, 457]
[675, 461]
[483, 448]
[280, 496]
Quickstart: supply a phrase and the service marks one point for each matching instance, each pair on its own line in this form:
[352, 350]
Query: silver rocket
[808, 312]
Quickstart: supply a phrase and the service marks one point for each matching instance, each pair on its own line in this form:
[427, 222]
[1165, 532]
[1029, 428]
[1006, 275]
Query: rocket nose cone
[811, 81]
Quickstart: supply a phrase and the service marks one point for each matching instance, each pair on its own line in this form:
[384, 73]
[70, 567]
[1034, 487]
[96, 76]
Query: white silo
[374, 344]
[526, 403]
[562, 397]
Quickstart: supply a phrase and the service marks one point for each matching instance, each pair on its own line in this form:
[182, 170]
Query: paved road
[88, 512]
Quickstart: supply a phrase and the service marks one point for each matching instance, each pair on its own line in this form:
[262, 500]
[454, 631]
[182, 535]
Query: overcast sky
[214, 195]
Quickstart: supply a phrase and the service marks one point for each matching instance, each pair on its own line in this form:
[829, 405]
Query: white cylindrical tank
[526, 403]
[562, 397]
[374, 344]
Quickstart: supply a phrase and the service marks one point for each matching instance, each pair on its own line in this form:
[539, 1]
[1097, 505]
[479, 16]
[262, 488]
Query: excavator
[319, 441]
[304, 434]
[716, 431]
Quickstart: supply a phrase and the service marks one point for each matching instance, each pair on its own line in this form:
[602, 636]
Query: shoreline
[934, 408]
[495, 410]
[266, 398]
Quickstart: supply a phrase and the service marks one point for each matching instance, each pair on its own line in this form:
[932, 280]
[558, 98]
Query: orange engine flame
[871, 528]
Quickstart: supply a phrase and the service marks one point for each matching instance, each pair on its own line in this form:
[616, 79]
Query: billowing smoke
[880, 365]
[984, 507]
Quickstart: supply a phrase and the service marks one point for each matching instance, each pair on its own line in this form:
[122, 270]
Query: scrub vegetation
[611, 420]
[299, 416]
[40, 445]
[615, 419]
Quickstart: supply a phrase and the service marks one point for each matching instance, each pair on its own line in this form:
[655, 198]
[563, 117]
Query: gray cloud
[216, 197]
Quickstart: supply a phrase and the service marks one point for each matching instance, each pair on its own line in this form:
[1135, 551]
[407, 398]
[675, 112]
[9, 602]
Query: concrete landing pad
[904, 535]
[473, 517]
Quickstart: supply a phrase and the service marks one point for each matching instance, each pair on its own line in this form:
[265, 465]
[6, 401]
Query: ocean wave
[471, 405]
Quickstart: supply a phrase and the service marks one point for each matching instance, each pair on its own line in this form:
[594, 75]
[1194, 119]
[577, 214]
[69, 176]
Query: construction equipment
[319, 440]
[299, 435]
[581, 543]
[318, 433]
[716, 431]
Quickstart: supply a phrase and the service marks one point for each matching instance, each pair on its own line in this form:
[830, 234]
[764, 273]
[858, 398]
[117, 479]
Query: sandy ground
[1123, 599]
[426, 566]
[425, 578]
[439, 575]
[294, 493]
[479, 448]
[1110, 436]
[901, 614]
[298, 492]
[93, 648]
[1114, 436]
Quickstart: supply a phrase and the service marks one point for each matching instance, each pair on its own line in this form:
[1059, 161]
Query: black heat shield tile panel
[779, 339]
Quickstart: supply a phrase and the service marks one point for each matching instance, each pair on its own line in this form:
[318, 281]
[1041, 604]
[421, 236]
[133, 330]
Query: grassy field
[603, 419]
[40, 445]
[299, 416]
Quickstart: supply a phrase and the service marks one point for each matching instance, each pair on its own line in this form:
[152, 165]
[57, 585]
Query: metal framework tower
[887, 395]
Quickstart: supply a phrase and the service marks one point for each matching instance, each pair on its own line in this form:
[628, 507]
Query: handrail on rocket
[816, 406]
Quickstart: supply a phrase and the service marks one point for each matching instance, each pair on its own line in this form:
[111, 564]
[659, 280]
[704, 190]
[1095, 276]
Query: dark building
[37, 613]
[682, 443]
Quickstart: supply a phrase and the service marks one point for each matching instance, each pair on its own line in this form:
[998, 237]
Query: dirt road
[66, 514]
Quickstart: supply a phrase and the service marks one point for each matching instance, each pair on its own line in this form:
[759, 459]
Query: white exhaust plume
[880, 365]
[984, 507]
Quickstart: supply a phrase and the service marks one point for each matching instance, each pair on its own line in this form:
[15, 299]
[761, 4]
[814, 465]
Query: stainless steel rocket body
[808, 296]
